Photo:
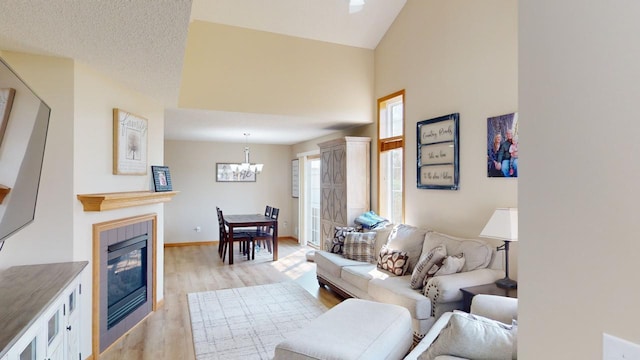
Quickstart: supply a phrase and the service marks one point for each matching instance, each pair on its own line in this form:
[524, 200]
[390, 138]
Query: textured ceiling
[141, 43]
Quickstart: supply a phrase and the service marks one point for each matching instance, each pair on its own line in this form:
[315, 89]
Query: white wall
[453, 56]
[579, 76]
[192, 165]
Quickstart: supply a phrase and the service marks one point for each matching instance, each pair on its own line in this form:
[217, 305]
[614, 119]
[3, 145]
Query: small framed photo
[161, 178]
[438, 153]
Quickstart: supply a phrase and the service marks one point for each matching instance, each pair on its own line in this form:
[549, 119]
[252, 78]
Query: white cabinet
[51, 329]
[344, 183]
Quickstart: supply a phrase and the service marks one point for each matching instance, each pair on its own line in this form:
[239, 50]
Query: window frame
[391, 143]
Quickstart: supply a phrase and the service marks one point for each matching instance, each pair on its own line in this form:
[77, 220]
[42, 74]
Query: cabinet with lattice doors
[344, 183]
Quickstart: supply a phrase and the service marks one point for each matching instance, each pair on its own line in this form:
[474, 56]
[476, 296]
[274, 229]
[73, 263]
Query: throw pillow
[470, 338]
[409, 239]
[425, 263]
[393, 261]
[450, 265]
[339, 235]
[359, 246]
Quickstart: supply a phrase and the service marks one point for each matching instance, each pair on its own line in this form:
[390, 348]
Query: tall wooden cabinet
[345, 185]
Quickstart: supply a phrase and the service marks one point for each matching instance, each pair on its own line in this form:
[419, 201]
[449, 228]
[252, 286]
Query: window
[391, 156]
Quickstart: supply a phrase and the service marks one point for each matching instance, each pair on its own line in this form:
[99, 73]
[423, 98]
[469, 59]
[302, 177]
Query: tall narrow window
[390, 156]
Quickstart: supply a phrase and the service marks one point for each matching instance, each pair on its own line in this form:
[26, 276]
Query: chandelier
[247, 165]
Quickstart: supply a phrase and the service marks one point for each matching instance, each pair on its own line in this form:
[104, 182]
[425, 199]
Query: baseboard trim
[215, 242]
[195, 243]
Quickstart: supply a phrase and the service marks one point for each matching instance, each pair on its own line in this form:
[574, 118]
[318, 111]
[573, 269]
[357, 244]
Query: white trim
[307, 153]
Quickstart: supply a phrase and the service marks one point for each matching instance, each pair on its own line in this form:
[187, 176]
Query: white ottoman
[353, 329]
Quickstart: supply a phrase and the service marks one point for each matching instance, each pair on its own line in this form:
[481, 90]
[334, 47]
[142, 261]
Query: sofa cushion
[396, 290]
[333, 263]
[393, 261]
[360, 275]
[477, 253]
[468, 337]
[382, 236]
[426, 262]
[409, 239]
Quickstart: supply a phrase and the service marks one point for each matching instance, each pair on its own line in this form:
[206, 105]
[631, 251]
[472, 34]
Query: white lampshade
[503, 225]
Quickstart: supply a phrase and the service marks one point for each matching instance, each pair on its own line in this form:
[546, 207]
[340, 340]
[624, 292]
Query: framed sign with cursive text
[438, 154]
[129, 143]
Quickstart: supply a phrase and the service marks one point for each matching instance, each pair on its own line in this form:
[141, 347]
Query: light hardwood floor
[166, 333]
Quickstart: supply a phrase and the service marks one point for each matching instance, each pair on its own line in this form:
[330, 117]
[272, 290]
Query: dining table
[251, 220]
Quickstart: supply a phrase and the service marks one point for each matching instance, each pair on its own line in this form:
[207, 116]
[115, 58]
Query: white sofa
[441, 294]
[498, 308]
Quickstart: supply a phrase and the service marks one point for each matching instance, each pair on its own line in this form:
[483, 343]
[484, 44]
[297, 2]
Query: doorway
[312, 203]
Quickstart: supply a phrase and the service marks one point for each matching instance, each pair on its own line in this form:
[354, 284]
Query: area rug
[248, 323]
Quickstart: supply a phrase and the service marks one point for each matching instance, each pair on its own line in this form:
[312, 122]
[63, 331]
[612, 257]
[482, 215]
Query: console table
[38, 303]
[488, 289]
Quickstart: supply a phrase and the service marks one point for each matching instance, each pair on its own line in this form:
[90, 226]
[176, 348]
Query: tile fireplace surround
[108, 238]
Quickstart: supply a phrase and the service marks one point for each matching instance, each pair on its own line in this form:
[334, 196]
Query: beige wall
[453, 56]
[579, 75]
[234, 69]
[193, 173]
[78, 159]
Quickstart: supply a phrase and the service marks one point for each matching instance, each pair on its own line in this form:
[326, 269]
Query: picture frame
[502, 146]
[295, 178]
[438, 157]
[6, 102]
[161, 178]
[233, 172]
[130, 141]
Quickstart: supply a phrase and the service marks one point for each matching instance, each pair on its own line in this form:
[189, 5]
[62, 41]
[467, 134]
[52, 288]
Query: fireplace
[124, 272]
[126, 278]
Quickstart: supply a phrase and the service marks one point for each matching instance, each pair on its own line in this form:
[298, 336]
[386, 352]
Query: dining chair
[265, 233]
[243, 238]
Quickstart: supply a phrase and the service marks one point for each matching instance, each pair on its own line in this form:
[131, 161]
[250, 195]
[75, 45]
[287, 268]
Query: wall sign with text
[438, 154]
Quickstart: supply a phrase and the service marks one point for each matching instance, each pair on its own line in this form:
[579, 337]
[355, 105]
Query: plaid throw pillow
[360, 246]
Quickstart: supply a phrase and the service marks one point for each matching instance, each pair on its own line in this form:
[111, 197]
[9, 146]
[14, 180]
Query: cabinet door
[326, 167]
[73, 323]
[55, 332]
[339, 165]
[30, 346]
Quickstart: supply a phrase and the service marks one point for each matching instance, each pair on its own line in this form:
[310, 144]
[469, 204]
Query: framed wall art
[6, 102]
[129, 143]
[502, 146]
[438, 153]
[161, 178]
[231, 172]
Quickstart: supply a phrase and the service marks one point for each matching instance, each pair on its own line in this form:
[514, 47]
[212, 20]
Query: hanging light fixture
[246, 165]
[355, 6]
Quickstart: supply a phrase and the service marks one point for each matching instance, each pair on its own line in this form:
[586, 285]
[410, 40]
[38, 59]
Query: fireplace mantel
[117, 200]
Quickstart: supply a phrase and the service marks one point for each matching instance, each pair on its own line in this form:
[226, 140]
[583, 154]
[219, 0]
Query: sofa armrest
[446, 288]
[500, 308]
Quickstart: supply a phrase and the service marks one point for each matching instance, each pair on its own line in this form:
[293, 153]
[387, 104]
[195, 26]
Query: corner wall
[453, 56]
[579, 76]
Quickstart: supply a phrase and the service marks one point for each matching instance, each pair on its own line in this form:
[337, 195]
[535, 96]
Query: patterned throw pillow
[425, 263]
[448, 265]
[339, 235]
[359, 246]
[393, 261]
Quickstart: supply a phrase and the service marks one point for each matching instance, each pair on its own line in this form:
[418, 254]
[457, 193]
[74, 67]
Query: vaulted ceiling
[142, 44]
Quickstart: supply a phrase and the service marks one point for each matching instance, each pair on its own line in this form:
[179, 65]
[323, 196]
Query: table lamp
[503, 225]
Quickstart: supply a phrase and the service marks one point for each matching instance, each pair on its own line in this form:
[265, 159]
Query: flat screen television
[24, 121]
